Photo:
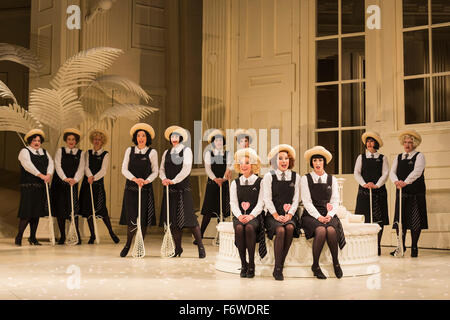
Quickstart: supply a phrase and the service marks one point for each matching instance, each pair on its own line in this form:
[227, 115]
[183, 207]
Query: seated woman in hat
[218, 164]
[36, 169]
[69, 166]
[407, 173]
[371, 172]
[320, 199]
[96, 165]
[281, 198]
[247, 205]
[140, 167]
[175, 169]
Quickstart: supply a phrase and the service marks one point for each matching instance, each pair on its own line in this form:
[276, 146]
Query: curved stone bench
[358, 257]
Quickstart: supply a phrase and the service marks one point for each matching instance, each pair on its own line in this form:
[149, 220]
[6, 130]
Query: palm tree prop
[63, 105]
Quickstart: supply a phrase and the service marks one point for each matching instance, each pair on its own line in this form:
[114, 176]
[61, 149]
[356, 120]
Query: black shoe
[244, 269]
[62, 240]
[195, 242]
[201, 252]
[251, 271]
[34, 242]
[178, 252]
[114, 238]
[414, 252]
[18, 241]
[79, 241]
[318, 272]
[124, 251]
[91, 240]
[337, 271]
[278, 273]
[393, 252]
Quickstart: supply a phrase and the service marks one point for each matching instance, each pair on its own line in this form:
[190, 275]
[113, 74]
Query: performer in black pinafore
[320, 198]
[36, 169]
[69, 166]
[175, 169]
[140, 167]
[407, 173]
[281, 198]
[247, 205]
[217, 166]
[96, 165]
[371, 172]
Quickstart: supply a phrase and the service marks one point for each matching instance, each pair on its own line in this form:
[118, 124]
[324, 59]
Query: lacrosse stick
[370, 201]
[97, 238]
[50, 218]
[399, 250]
[216, 240]
[138, 248]
[168, 246]
[72, 238]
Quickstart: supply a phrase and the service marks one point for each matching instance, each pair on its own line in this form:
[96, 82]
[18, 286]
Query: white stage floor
[46, 272]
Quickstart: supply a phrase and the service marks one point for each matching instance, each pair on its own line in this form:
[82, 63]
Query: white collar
[33, 150]
[143, 150]
[410, 154]
[369, 154]
[75, 150]
[99, 151]
[322, 177]
[217, 151]
[251, 179]
[177, 149]
[286, 173]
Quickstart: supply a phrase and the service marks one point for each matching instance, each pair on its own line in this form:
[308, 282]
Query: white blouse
[419, 166]
[306, 194]
[102, 172]
[208, 162]
[187, 163]
[153, 158]
[27, 164]
[358, 165]
[267, 181]
[80, 171]
[234, 203]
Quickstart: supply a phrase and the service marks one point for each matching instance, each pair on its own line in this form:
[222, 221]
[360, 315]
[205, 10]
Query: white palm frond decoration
[121, 87]
[59, 109]
[132, 112]
[84, 67]
[20, 55]
[16, 118]
[6, 93]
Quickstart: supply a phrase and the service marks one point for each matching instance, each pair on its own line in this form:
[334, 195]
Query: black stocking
[22, 226]
[287, 240]
[415, 238]
[278, 246]
[403, 237]
[90, 221]
[131, 231]
[78, 229]
[205, 221]
[107, 222]
[332, 242]
[380, 235]
[176, 234]
[62, 227]
[33, 228]
[320, 235]
[250, 240]
[240, 242]
[197, 235]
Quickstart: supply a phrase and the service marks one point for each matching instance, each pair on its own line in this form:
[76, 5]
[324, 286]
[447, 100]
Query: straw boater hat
[216, 132]
[281, 147]
[243, 132]
[410, 132]
[145, 127]
[176, 129]
[100, 132]
[374, 135]
[33, 132]
[320, 151]
[251, 154]
[72, 131]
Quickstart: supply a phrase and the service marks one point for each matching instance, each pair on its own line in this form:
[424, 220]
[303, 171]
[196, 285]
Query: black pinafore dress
[414, 205]
[321, 195]
[98, 189]
[33, 196]
[282, 193]
[61, 203]
[211, 203]
[140, 166]
[181, 203]
[250, 193]
[371, 171]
